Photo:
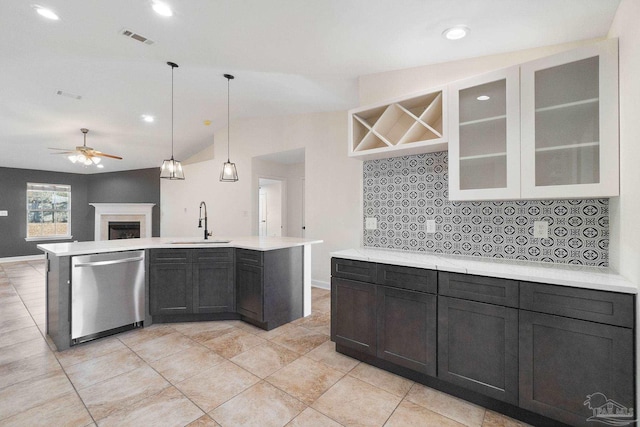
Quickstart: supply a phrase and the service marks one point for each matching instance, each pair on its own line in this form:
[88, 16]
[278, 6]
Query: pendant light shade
[229, 172]
[171, 169]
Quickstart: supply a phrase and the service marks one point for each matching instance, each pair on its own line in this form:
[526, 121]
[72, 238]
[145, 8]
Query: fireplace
[107, 213]
[124, 230]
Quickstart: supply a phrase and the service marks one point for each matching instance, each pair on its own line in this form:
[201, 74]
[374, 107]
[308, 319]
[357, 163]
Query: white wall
[624, 249]
[333, 184]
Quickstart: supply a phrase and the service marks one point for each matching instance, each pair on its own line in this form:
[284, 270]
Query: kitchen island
[262, 280]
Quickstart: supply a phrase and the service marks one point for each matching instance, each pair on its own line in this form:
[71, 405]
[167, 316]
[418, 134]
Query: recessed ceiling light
[47, 13]
[483, 98]
[456, 33]
[148, 118]
[162, 8]
[207, 122]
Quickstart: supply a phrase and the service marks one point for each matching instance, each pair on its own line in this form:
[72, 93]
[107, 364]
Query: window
[48, 211]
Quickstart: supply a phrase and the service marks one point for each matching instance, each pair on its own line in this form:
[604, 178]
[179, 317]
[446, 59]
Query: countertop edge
[564, 275]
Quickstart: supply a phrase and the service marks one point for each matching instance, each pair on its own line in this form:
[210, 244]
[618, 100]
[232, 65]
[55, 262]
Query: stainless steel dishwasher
[107, 294]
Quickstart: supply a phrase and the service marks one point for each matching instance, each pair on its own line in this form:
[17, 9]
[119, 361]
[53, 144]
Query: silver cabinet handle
[115, 261]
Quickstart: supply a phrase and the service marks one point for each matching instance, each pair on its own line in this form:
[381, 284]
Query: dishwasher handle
[111, 262]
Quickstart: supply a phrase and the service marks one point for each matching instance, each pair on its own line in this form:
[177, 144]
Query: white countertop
[598, 278]
[248, 242]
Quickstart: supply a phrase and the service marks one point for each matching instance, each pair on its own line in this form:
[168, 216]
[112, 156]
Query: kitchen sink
[200, 242]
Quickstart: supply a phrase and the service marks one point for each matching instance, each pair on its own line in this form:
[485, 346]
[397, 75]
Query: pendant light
[171, 169]
[229, 172]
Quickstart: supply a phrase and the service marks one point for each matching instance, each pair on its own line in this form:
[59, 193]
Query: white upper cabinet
[405, 126]
[484, 143]
[569, 111]
[549, 129]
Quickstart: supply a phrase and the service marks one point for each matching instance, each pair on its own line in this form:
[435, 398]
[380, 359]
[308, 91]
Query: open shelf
[406, 126]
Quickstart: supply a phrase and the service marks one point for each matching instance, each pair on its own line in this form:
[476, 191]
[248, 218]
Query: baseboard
[22, 258]
[320, 284]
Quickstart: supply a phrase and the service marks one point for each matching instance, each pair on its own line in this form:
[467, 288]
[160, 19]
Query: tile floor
[224, 373]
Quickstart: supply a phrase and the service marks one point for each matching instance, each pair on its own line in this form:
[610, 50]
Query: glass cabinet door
[484, 146]
[569, 124]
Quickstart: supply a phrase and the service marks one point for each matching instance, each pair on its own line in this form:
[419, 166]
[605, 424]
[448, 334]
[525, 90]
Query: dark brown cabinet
[353, 314]
[191, 281]
[269, 286]
[407, 328]
[478, 347]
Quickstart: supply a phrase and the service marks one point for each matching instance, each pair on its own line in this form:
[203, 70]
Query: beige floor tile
[409, 414]
[216, 385]
[137, 337]
[352, 402]
[305, 379]
[109, 396]
[163, 346]
[102, 368]
[300, 340]
[319, 322]
[13, 311]
[269, 335]
[457, 409]
[319, 292]
[187, 363]
[8, 325]
[35, 392]
[19, 335]
[261, 406]
[312, 418]
[204, 421]
[235, 342]
[28, 368]
[203, 331]
[493, 419]
[83, 352]
[66, 410]
[322, 304]
[15, 352]
[265, 359]
[382, 379]
[327, 354]
[167, 408]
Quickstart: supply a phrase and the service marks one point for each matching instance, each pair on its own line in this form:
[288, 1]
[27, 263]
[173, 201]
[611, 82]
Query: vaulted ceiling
[288, 56]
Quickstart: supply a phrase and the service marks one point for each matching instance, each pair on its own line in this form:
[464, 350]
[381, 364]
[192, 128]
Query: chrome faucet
[206, 232]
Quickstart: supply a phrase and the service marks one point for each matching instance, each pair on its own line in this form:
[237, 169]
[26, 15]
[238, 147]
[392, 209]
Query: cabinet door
[484, 146]
[170, 288]
[213, 287]
[353, 314]
[565, 361]
[478, 347]
[407, 328]
[569, 110]
[249, 291]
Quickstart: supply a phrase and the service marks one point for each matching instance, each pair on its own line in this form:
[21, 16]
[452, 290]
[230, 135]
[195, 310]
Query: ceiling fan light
[73, 158]
[87, 162]
[95, 160]
[81, 158]
[229, 172]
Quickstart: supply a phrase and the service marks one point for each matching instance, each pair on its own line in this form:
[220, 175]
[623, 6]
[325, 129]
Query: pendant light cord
[172, 67]
[228, 120]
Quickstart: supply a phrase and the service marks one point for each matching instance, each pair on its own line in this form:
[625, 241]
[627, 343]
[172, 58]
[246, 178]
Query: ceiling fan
[83, 154]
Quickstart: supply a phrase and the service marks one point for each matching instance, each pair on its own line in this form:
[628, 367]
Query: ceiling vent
[136, 36]
[69, 95]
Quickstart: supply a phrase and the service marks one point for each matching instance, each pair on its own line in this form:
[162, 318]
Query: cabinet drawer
[169, 256]
[355, 270]
[415, 279]
[479, 288]
[214, 254]
[247, 256]
[597, 306]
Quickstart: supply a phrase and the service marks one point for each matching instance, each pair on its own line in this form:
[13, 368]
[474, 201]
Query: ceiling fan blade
[65, 152]
[101, 154]
[63, 149]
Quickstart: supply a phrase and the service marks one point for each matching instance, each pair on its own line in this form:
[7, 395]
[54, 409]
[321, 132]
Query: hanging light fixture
[171, 169]
[229, 172]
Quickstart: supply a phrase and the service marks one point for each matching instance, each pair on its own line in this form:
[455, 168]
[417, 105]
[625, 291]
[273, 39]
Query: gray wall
[404, 192]
[137, 186]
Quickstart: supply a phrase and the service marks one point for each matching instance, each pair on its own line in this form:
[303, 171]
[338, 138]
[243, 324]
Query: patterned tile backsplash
[404, 192]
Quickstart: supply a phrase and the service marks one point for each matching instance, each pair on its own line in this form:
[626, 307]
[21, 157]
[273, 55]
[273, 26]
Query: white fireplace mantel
[103, 210]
